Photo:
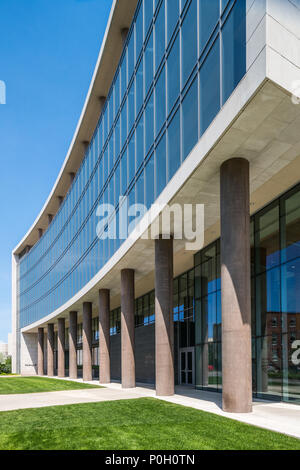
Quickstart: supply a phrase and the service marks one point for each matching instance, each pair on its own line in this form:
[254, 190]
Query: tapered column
[164, 326]
[41, 351]
[104, 336]
[61, 347]
[50, 349]
[124, 34]
[87, 342]
[236, 292]
[127, 328]
[73, 345]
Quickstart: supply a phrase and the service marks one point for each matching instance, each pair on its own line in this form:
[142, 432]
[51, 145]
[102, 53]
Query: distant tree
[5, 366]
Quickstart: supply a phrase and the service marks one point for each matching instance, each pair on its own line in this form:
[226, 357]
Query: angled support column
[127, 328]
[236, 288]
[164, 326]
[61, 372]
[41, 351]
[73, 345]
[124, 34]
[87, 342]
[104, 336]
[50, 349]
[50, 218]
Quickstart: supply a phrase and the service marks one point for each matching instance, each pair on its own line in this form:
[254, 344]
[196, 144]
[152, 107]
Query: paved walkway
[281, 417]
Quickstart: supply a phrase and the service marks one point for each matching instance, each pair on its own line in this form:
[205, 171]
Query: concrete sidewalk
[280, 417]
[65, 397]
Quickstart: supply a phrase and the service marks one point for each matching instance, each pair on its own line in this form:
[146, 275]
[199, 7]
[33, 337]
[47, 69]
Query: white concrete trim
[14, 312]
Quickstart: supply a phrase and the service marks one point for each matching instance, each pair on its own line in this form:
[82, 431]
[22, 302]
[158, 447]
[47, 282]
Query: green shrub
[5, 367]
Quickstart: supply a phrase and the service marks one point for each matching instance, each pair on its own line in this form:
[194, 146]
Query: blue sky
[48, 51]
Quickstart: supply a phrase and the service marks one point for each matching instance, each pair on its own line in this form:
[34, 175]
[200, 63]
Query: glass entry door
[186, 364]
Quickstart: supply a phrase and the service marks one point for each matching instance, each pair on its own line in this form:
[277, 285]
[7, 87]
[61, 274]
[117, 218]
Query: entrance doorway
[187, 366]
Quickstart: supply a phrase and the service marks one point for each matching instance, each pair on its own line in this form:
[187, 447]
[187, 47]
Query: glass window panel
[124, 76]
[190, 119]
[172, 17]
[131, 106]
[149, 182]
[234, 48]
[212, 366]
[267, 240]
[210, 87]
[149, 118]
[290, 297]
[139, 36]
[140, 143]
[124, 122]
[116, 96]
[149, 64]
[160, 102]
[140, 186]
[124, 173]
[148, 15]
[173, 72]
[160, 166]
[160, 35]
[139, 87]
[174, 145]
[269, 366]
[208, 19]
[291, 228]
[189, 45]
[131, 159]
[267, 301]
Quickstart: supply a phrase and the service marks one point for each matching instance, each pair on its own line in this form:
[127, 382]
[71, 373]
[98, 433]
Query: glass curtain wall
[181, 61]
[276, 298]
[208, 318]
[275, 265]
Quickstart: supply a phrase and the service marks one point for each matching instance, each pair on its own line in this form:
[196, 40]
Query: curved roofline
[120, 18]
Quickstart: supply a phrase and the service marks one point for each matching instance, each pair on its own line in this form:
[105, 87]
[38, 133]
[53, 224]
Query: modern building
[3, 350]
[191, 102]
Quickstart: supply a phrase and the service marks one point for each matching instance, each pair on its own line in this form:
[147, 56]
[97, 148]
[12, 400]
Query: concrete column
[50, 349]
[87, 342]
[61, 372]
[104, 336]
[41, 351]
[127, 328]
[236, 289]
[73, 345]
[164, 325]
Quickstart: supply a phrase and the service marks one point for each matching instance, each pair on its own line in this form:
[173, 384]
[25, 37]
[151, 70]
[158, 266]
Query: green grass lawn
[144, 423]
[11, 385]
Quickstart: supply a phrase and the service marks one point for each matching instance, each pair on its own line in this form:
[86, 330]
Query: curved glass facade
[181, 61]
